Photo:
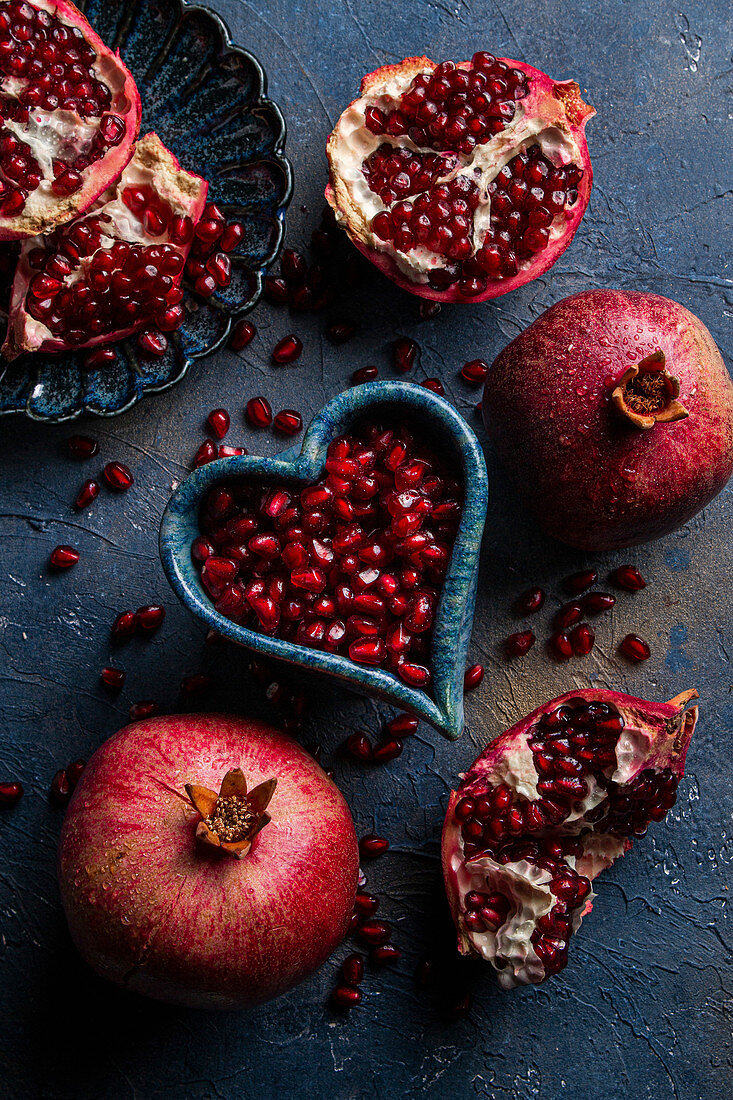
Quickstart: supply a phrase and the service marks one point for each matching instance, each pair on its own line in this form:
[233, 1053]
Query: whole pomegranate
[461, 181]
[613, 413]
[70, 116]
[547, 806]
[206, 860]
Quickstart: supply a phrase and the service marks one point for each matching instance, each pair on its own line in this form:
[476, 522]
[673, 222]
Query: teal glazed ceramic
[440, 424]
[207, 101]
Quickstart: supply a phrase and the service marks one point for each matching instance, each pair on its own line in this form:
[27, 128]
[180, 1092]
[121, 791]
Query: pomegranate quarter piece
[461, 181]
[547, 806]
[70, 116]
[114, 270]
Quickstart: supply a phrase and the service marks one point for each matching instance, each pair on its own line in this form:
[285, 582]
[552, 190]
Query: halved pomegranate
[547, 806]
[461, 181]
[115, 269]
[69, 116]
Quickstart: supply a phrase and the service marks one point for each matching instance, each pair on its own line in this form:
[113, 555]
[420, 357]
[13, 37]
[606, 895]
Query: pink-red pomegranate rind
[149, 911]
[593, 481]
[578, 114]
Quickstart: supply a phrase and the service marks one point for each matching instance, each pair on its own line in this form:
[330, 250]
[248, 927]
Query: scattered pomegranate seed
[568, 615]
[144, 709]
[232, 236]
[530, 601]
[149, 617]
[387, 749]
[152, 342]
[124, 626]
[60, 790]
[338, 332]
[195, 684]
[287, 350]
[435, 385]
[402, 725]
[374, 932]
[473, 677]
[218, 420]
[10, 793]
[560, 645]
[385, 954]
[364, 374]
[74, 770]
[227, 451]
[99, 357]
[635, 648]
[259, 412]
[288, 421]
[474, 371]
[276, 290]
[516, 645]
[366, 904]
[118, 476]
[596, 602]
[372, 845]
[352, 969]
[428, 309]
[578, 582]
[207, 452]
[405, 354]
[582, 639]
[628, 577]
[81, 447]
[346, 996]
[113, 678]
[87, 494]
[359, 746]
[242, 334]
[293, 266]
[63, 557]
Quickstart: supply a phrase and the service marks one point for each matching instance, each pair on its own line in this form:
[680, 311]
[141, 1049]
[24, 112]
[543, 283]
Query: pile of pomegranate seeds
[352, 565]
[573, 747]
[208, 266]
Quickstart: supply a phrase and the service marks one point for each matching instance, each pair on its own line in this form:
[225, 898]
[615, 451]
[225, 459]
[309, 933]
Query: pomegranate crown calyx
[231, 819]
[647, 394]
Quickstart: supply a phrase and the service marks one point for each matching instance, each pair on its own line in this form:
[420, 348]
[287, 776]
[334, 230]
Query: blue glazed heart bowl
[440, 424]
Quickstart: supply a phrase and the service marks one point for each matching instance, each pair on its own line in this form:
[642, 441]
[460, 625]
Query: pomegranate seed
[385, 954]
[516, 645]
[387, 749]
[73, 772]
[372, 845]
[352, 969]
[629, 577]
[227, 451]
[561, 646]
[578, 582]
[99, 357]
[113, 678]
[474, 371]
[81, 447]
[287, 350]
[144, 709]
[152, 342]
[288, 421]
[402, 725]
[530, 601]
[568, 614]
[405, 354]
[338, 332]
[124, 626]
[60, 790]
[195, 684]
[359, 746]
[242, 334]
[218, 420]
[364, 374]
[118, 476]
[276, 290]
[374, 932]
[87, 494]
[366, 904]
[63, 557]
[10, 793]
[596, 602]
[293, 266]
[259, 412]
[346, 996]
[582, 639]
[435, 385]
[635, 648]
[473, 677]
[206, 453]
[149, 617]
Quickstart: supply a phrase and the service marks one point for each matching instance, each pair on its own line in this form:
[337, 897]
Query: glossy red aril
[560, 645]
[108, 274]
[87, 494]
[118, 476]
[259, 412]
[405, 354]
[150, 617]
[372, 845]
[435, 385]
[568, 615]
[403, 725]
[346, 996]
[288, 421]
[387, 749]
[10, 792]
[63, 557]
[516, 645]
[364, 374]
[635, 648]
[475, 371]
[207, 452]
[472, 677]
[218, 420]
[596, 602]
[548, 805]
[70, 116]
[579, 582]
[582, 639]
[628, 577]
[99, 357]
[124, 626]
[112, 678]
[287, 350]
[450, 177]
[530, 601]
[242, 334]
[144, 709]
[82, 447]
[352, 968]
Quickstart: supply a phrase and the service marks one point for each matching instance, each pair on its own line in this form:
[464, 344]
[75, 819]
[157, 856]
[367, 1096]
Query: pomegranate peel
[72, 148]
[547, 806]
[231, 819]
[494, 246]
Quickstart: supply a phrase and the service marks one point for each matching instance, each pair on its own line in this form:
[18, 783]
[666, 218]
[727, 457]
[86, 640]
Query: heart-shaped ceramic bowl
[435, 420]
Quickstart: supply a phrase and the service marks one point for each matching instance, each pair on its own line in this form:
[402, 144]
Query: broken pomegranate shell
[547, 806]
[116, 268]
[461, 181]
[70, 116]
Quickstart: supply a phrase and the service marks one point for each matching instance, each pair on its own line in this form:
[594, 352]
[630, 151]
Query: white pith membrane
[646, 742]
[351, 144]
[152, 166]
[65, 135]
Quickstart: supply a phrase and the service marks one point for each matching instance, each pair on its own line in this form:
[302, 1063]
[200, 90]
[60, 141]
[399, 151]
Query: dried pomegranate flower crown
[647, 394]
[232, 818]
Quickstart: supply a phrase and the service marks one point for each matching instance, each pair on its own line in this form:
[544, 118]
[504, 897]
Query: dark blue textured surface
[643, 1009]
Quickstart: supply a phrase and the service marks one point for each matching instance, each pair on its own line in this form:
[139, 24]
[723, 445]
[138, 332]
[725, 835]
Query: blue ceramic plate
[206, 100]
[442, 706]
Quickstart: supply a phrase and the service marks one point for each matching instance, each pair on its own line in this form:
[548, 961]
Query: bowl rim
[443, 707]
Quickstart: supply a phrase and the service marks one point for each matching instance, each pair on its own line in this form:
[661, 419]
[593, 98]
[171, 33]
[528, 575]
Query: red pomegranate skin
[150, 909]
[593, 480]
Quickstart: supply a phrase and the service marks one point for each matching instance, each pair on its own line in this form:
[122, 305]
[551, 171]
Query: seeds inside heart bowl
[356, 557]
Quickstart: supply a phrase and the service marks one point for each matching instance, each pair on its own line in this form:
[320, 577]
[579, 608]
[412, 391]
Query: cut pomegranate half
[547, 806]
[461, 181]
[69, 118]
[116, 268]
